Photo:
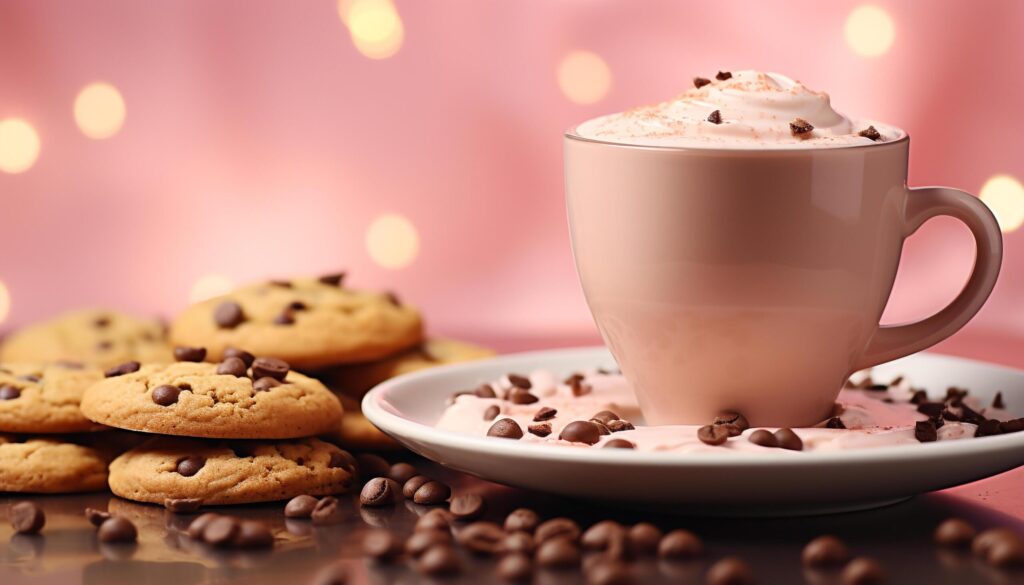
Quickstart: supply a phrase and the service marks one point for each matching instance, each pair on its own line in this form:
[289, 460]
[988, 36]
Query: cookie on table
[355, 431]
[239, 398]
[308, 322]
[227, 472]
[45, 399]
[50, 466]
[96, 337]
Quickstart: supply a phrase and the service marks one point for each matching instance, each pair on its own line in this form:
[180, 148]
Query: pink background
[259, 142]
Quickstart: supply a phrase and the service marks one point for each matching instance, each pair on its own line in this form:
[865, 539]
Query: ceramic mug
[754, 280]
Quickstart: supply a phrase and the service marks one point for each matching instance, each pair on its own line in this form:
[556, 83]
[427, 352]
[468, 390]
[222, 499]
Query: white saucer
[765, 484]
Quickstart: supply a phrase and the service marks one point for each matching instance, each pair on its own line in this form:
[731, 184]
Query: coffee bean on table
[434, 519]
[382, 546]
[467, 506]
[643, 538]
[190, 354]
[300, 507]
[608, 572]
[1006, 553]
[789, 440]
[516, 543]
[246, 357]
[954, 533]
[492, 412]
[557, 528]
[122, 369]
[862, 571]
[619, 444]
[515, 568]
[581, 431]
[402, 472]
[27, 518]
[730, 571]
[196, 528]
[680, 544]
[600, 535]
[422, 540]
[505, 428]
[439, 560]
[232, 366]
[982, 544]
[371, 466]
[522, 520]
[219, 532]
[327, 511]
[544, 414]
[166, 395]
[482, 538]
[714, 435]
[182, 505]
[825, 551]
[413, 484]
[557, 553]
[228, 315]
[271, 368]
[252, 535]
[432, 492]
[96, 517]
[116, 529]
[380, 491]
[764, 438]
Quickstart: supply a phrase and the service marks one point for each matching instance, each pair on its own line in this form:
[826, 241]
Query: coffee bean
[715, 117]
[619, 444]
[27, 518]
[96, 517]
[412, 484]
[382, 546]
[516, 543]
[800, 128]
[729, 571]
[467, 507]
[220, 531]
[925, 431]
[789, 440]
[122, 369]
[402, 472]
[435, 519]
[520, 381]
[505, 428]
[545, 413]
[540, 429]
[432, 492]
[558, 553]
[190, 354]
[521, 397]
[335, 279]
[723, 75]
[252, 535]
[1006, 553]
[232, 366]
[421, 540]
[604, 417]
[870, 133]
[581, 431]
[197, 526]
[732, 418]
[8, 392]
[954, 533]
[643, 538]
[439, 560]
[480, 538]
[327, 511]
[336, 574]
[485, 391]
[271, 368]
[515, 568]
[191, 465]
[982, 544]
[680, 544]
[713, 435]
[380, 491]
[557, 528]
[862, 571]
[182, 505]
[608, 572]
[371, 466]
[825, 551]
[228, 315]
[700, 82]
[492, 412]
[601, 535]
[166, 395]
[616, 426]
[300, 507]
[241, 354]
[764, 438]
[522, 520]
[116, 529]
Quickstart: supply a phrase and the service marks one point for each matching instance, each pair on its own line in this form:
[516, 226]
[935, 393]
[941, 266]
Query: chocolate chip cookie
[308, 322]
[230, 472]
[49, 466]
[94, 337]
[45, 399]
[240, 398]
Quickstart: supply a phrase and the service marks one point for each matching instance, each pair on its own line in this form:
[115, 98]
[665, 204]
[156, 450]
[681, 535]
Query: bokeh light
[584, 77]
[869, 31]
[209, 286]
[392, 241]
[375, 26]
[19, 145]
[99, 110]
[5, 302]
[1004, 195]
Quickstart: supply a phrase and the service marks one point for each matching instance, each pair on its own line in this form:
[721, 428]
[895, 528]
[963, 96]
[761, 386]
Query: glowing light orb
[584, 77]
[19, 145]
[5, 302]
[209, 286]
[99, 110]
[375, 26]
[869, 31]
[392, 241]
[1004, 195]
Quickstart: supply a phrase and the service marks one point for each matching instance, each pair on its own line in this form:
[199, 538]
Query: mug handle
[895, 341]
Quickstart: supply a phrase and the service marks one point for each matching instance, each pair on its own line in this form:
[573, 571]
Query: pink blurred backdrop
[259, 142]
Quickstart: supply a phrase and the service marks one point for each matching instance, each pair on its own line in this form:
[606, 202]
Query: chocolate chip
[122, 369]
[8, 392]
[335, 279]
[505, 428]
[402, 472]
[540, 429]
[270, 368]
[191, 465]
[680, 544]
[520, 381]
[482, 538]
[220, 531]
[619, 444]
[232, 366]
[285, 317]
[800, 128]
[715, 117]
[713, 434]
[421, 540]
[380, 491]
[297, 306]
[521, 397]
[412, 484]
[439, 560]
[467, 507]
[729, 571]
[787, 439]
[606, 571]
[116, 529]
[643, 538]
[604, 417]
[723, 75]
[581, 431]
[825, 551]
[700, 82]
[557, 553]
[27, 518]
[101, 322]
[862, 571]
[190, 354]
[96, 517]
[492, 412]
[876, 387]
[516, 543]
[300, 507]
[515, 568]
[241, 354]
[997, 402]
[485, 391]
[835, 423]
[870, 132]
[382, 546]
[602, 535]
[264, 384]
[327, 511]
[253, 535]
[954, 533]
[434, 519]
[166, 395]
[557, 528]
[545, 413]
[522, 520]
[371, 465]
[432, 492]
[931, 409]
[182, 505]
[197, 526]
[925, 431]
[228, 315]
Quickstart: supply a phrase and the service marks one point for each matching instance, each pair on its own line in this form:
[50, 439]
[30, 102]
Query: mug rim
[571, 134]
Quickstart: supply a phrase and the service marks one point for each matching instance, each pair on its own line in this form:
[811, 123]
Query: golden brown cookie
[96, 337]
[231, 472]
[261, 399]
[45, 399]
[310, 323]
[49, 466]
